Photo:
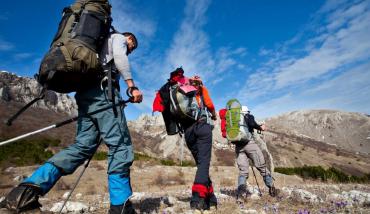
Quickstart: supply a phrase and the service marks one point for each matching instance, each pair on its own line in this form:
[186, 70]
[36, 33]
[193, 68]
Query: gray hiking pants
[246, 151]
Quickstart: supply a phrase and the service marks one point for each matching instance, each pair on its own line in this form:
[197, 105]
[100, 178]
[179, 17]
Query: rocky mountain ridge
[347, 130]
[23, 89]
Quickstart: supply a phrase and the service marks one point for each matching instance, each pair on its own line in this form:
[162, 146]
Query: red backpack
[222, 114]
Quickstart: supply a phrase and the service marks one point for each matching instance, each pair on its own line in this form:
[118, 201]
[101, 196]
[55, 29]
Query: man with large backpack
[240, 131]
[109, 126]
[187, 108]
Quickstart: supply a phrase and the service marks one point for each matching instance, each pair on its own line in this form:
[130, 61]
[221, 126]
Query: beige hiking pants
[246, 151]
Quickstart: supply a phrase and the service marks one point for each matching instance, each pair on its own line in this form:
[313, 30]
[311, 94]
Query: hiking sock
[242, 179]
[268, 180]
[269, 183]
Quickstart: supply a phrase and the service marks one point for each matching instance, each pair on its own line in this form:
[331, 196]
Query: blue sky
[274, 56]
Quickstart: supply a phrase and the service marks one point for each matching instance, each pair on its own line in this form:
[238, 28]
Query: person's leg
[115, 134]
[211, 199]
[255, 153]
[200, 185]
[64, 162]
[203, 143]
[243, 165]
[203, 133]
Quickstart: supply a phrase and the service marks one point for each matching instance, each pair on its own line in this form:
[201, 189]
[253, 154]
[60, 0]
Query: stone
[74, 207]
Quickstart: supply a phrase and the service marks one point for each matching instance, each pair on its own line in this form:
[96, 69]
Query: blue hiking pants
[112, 128]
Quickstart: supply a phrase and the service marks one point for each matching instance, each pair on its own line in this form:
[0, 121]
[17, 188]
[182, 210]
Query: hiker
[187, 108]
[246, 150]
[109, 126]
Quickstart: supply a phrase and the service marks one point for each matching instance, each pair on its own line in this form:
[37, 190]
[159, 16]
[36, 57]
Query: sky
[273, 56]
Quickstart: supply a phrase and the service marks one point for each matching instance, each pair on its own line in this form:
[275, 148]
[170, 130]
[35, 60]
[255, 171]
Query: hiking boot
[273, 191]
[22, 198]
[212, 202]
[241, 192]
[198, 205]
[126, 208]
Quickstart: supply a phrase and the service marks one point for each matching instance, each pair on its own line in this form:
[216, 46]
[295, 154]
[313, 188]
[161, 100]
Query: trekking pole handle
[129, 91]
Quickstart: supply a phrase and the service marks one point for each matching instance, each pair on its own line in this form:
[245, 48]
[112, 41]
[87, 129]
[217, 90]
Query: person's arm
[208, 103]
[253, 124]
[119, 47]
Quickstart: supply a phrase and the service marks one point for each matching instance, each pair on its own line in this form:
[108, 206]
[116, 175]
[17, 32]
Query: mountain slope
[347, 130]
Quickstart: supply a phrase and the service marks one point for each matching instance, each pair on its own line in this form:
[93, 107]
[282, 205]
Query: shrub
[143, 157]
[27, 152]
[317, 172]
[100, 155]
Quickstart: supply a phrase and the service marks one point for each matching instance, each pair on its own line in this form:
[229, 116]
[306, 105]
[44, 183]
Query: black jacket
[252, 124]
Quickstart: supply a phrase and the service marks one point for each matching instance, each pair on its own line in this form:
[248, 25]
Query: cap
[245, 109]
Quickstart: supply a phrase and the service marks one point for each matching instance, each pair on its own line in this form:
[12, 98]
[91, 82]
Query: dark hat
[177, 71]
[133, 37]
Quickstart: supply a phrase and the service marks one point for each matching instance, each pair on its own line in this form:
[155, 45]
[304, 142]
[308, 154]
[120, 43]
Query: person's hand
[214, 115]
[263, 127]
[137, 96]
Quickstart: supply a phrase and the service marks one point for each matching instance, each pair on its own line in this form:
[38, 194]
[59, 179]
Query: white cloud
[348, 91]
[338, 45]
[347, 45]
[5, 46]
[189, 48]
[128, 18]
[22, 56]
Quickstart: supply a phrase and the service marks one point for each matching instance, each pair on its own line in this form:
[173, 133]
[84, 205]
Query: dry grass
[176, 178]
[62, 185]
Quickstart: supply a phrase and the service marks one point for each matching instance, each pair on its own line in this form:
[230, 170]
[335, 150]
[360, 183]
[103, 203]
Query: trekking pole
[79, 178]
[85, 166]
[259, 190]
[182, 150]
[271, 160]
[62, 123]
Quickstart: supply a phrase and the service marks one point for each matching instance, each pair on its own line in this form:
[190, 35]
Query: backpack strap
[111, 94]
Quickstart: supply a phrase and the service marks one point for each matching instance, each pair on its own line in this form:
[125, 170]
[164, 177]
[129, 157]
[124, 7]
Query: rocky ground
[166, 189]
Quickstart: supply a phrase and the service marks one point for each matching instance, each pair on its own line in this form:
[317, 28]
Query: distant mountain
[315, 137]
[346, 130]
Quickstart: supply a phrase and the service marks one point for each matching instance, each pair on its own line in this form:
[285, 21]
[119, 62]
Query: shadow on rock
[148, 205]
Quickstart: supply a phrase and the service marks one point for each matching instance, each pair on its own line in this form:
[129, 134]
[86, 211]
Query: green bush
[168, 162]
[27, 152]
[186, 163]
[100, 156]
[143, 157]
[317, 172]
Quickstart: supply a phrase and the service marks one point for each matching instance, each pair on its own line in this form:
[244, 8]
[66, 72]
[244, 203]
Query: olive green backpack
[72, 60]
[236, 126]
